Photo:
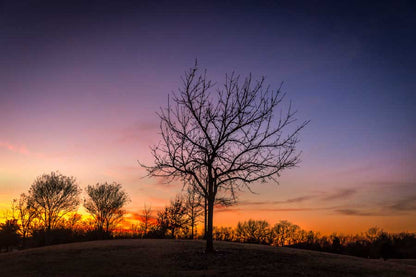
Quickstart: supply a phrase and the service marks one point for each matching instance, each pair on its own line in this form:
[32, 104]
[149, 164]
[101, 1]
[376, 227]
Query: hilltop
[186, 258]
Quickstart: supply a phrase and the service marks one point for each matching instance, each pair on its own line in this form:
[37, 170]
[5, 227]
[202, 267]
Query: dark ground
[186, 258]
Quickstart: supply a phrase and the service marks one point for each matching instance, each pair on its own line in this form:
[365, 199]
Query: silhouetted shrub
[8, 234]
[56, 236]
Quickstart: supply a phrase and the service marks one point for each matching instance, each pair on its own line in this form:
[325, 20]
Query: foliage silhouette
[105, 204]
[53, 196]
[9, 236]
[146, 217]
[173, 217]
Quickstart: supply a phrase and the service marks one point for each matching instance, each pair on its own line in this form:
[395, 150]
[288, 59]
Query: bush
[8, 234]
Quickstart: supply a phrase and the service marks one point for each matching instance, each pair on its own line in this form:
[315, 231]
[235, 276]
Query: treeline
[375, 243]
[179, 219]
[47, 213]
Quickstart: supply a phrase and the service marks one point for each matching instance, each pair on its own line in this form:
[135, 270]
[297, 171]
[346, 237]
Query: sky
[81, 82]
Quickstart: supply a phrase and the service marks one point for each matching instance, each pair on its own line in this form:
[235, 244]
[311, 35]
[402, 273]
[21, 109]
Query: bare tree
[173, 217]
[223, 142]
[194, 208]
[253, 231]
[25, 216]
[146, 216]
[105, 203]
[283, 232]
[53, 196]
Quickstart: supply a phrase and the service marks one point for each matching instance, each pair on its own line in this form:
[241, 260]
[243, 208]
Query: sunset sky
[81, 82]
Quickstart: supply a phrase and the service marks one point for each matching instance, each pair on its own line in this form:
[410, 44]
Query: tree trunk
[208, 233]
[24, 240]
[205, 217]
[192, 228]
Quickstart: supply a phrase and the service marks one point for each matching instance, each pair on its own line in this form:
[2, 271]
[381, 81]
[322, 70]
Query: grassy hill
[186, 258]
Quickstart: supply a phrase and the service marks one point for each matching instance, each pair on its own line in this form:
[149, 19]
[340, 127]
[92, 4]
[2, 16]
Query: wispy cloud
[321, 196]
[21, 149]
[137, 132]
[293, 209]
[298, 199]
[287, 201]
[404, 205]
[341, 194]
[242, 209]
[355, 212]
[161, 183]
[397, 207]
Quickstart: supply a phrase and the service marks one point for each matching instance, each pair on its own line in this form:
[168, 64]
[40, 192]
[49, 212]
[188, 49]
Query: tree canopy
[105, 203]
[53, 196]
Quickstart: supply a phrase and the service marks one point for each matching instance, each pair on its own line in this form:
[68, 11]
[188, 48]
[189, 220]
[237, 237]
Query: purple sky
[80, 82]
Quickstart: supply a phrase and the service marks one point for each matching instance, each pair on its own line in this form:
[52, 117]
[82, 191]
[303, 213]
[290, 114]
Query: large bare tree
[221, 139]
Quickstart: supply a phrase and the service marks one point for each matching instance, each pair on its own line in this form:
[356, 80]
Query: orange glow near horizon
[229, 217]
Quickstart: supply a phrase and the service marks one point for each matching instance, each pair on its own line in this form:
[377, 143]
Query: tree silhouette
[26, 214]
[194, 208]
[173, 217]
[9, 234]
[254, 231]
[146, 215]
[224, 142]
[53, 196]
[282, 232]
[105, 203]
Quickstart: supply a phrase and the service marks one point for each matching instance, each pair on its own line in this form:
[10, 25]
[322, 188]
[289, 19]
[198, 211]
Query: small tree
[105, 203]
[146, 216]
[222, 142]
[254, 231]
[9, 234]
[173, 217]
[282, 232]
[194, 208]
[163, 221]
[26, 214]
[53, 196]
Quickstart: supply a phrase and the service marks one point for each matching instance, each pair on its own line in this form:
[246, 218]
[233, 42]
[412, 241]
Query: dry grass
[186, 258]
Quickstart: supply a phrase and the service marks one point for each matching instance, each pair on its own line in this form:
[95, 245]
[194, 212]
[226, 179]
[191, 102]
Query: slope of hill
[186, 258]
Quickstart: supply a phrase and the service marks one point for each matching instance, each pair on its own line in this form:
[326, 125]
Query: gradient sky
[80, 82]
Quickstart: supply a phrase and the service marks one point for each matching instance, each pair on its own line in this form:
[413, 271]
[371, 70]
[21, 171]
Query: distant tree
[73, 221]
[282, 232]
[194, 208]
[224, 142]
[53, 196]
[224, 233]
[26, 214]
[163, 221]
[173, 217]
[146, 216]
[9, 234]
[254, 231]
[105, 204]
[373, 233]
